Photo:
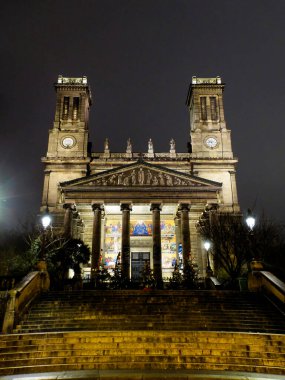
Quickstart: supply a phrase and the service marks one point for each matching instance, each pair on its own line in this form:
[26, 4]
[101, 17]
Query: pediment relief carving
[143, 176]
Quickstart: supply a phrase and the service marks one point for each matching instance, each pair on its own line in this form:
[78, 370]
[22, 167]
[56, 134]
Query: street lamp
[46, 221]
[250, 221]
[207, 246]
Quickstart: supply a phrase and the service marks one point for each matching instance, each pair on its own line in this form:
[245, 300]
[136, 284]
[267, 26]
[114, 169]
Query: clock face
[211, 142]
[68, 142]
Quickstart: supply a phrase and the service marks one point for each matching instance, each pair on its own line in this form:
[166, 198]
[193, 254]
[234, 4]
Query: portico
[145, 221]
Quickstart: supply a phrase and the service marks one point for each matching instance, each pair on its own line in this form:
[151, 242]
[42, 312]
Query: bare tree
[234, 246]
[230, 240]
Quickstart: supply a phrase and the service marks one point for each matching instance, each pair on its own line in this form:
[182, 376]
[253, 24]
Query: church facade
[143, 207]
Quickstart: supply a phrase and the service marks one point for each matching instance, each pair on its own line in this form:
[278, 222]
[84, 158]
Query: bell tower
[209, 134]
[211, 155]
[67, 153]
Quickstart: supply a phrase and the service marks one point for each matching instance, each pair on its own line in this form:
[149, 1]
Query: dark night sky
[139, 57]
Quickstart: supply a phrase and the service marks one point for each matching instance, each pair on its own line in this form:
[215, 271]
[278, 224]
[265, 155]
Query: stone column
[177, 221]
[67, 224]
[234, 189]
[103, 229]
[156, 241]
[125, 254]
[221, 108]
[184, 208]
[96, 238]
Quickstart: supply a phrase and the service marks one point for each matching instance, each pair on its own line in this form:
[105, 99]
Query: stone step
[146, 364]
[174, 325]
[190, 314]
[196, 337]
[166, 302]
[162, 322]
[117, 330]
[78, 329]
[139, 351]
[142, 351]
[152, 311]
[154, 297]
[177, 373]
[211, 348]
[151, 319]
[151, 325]
[125, 357]
[152, 308]
[165, 308]
[134, 309]
[160, 309]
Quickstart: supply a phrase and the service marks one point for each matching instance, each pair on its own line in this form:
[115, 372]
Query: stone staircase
[147, 331]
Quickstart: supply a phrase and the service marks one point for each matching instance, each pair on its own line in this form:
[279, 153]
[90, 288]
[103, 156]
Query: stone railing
[273, 285]
[3, 303]
[213, 283]
[20, 297]
[266, 281]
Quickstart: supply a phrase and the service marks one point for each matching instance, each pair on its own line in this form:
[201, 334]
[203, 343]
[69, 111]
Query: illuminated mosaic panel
[140, 228]
[113, 231]
[168, 244]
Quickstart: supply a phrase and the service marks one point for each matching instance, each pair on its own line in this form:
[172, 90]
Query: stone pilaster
[96, 238]
[67, 224]
[234, 190]
[156, 241]
[184, 209]
[125, 254]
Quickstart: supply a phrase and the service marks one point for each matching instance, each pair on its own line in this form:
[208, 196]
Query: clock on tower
[212, 156]
[67, 155]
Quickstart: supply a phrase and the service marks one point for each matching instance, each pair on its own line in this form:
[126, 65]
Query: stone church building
[144, 206]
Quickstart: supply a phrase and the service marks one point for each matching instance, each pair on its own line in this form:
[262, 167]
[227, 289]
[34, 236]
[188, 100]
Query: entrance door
[139, 260]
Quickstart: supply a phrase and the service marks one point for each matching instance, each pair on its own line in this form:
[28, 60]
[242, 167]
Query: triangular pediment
[141, 174]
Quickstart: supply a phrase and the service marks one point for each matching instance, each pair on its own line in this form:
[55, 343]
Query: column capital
[155, 206]
[70, 206]
[184, 207]
[177, 215]
[97, 206]
[76, 214]
[126, 207]
[211, 206]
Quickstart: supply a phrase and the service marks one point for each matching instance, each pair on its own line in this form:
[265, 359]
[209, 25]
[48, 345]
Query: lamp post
[46, 220]
[250, 222]
[207, 246]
